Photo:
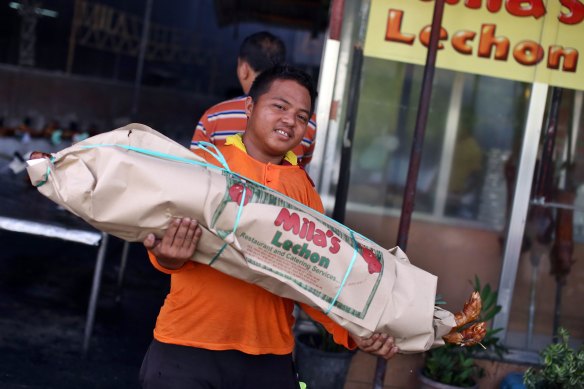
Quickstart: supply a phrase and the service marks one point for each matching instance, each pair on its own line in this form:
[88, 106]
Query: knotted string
[347, 272]
[216, 154]
[237, 218]
[46, 176]
[170, 157]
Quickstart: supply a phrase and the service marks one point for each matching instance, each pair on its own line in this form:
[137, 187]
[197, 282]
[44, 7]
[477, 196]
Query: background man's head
[257, 53]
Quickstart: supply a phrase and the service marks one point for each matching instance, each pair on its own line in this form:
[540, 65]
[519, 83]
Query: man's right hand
[378, 344]
[178, 244]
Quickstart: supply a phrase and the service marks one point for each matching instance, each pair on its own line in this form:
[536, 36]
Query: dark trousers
[169, 366]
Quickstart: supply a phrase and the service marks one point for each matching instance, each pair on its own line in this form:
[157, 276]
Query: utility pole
[141, 56]
[409, 195]
[30, 11]
[28, 21]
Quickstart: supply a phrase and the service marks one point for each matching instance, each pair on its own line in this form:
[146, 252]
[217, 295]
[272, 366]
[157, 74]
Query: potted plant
[321, 363]
[563, 366]
[452, 366]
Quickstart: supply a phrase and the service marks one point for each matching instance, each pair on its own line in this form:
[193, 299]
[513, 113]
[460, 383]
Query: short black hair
[264, 80]
[262, 50]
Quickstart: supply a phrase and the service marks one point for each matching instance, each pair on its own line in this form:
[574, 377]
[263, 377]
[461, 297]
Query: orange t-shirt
[209, 309]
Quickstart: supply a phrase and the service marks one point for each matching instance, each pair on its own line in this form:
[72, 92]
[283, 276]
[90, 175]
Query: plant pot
[427, 383]
[321, 369]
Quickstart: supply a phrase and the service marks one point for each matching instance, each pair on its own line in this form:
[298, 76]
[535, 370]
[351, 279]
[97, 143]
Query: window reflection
[471, 133]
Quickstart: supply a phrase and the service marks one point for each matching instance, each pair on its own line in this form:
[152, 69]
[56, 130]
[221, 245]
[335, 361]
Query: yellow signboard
[523, 40]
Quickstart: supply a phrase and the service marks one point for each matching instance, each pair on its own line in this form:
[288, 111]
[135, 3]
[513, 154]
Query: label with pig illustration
[299, 246]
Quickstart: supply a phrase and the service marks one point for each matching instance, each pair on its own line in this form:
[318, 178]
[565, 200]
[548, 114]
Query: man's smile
[284, 133]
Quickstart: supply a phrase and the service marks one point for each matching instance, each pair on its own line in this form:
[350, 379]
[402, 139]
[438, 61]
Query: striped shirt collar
[237, 141]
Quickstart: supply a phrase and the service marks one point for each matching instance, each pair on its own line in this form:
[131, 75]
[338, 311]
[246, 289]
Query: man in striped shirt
[257, 53]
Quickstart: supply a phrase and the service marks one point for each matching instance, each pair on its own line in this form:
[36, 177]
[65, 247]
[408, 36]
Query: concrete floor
[44, 291]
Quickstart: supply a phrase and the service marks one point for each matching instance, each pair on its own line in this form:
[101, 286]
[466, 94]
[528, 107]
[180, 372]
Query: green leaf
[489, 299]
[487, 290]
[477, 283]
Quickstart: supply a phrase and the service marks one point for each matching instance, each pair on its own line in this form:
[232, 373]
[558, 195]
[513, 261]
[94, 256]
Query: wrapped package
[133, 181]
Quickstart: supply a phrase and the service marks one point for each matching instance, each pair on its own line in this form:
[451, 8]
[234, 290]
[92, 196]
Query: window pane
[473, 128]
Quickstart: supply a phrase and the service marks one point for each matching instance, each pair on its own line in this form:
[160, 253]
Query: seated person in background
[5, 131]
[215, 331]
[24, 130]
[53, 132]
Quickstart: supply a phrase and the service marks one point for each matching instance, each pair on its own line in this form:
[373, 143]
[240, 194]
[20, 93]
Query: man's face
[277, 121]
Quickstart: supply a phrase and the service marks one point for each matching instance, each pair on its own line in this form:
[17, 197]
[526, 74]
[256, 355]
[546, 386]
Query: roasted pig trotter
[470, 312]
[474, 333]
[469, 336]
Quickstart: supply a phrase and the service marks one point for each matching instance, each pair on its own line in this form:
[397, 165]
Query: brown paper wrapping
[112, 182]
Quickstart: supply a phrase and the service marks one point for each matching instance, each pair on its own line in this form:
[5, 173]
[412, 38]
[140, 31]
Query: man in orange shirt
[258, 52]
[215, 331]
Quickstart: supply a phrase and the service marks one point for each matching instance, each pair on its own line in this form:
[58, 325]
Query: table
[23, 209]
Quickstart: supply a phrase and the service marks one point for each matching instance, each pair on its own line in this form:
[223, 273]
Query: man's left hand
[381, 345]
